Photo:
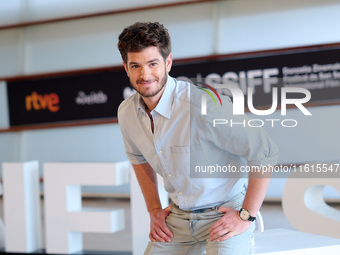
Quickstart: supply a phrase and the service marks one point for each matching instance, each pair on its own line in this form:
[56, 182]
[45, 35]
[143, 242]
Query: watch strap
[251, 218]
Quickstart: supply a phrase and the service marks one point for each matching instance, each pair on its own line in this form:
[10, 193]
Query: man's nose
[145, 73]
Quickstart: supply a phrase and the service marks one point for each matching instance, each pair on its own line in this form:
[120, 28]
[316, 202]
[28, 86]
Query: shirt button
[169, 175]
[180, 193]
[160, 152]
[148, 128]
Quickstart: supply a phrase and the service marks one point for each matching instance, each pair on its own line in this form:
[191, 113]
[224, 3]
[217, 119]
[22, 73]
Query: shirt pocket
[180, 149]
[185, 159]
[181, 159]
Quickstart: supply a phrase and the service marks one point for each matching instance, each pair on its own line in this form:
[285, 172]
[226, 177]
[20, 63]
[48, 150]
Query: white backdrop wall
[4, 121]
[16, 11]
[197, 30]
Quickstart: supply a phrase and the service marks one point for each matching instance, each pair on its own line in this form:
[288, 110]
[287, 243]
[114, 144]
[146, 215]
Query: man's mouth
[146, 83]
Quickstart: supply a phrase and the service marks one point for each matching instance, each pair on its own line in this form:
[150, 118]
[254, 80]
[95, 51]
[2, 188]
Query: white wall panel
[265, 24]
[192, 31]
[10, 52]
[72, 45]
[100, 143]
[4, 120]
[9, 148]
[92, 42]
[10, 12]
[17, 11]
[42, 9]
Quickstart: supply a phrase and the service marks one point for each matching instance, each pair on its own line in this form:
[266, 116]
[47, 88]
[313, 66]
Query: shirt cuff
[272, 161]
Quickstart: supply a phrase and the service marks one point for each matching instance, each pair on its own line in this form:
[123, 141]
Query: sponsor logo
[38, 102]
[92, 98]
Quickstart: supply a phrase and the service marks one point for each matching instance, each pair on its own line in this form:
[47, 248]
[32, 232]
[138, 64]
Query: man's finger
[219, 233]
[225, 237]
[215, 230]
[157, 237]
[167, 231]
[167, 210]
[163, 235]
[224, 209]
[216, 225]
[152, 239]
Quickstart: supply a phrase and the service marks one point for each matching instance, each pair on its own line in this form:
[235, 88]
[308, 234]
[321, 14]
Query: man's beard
[152, 93]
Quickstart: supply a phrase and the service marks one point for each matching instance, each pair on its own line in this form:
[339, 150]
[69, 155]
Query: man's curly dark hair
[141, 35]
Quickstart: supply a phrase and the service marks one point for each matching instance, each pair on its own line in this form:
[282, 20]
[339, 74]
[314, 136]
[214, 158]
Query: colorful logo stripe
[213, 90]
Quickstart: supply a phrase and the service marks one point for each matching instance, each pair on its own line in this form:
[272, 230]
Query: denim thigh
[191, 233]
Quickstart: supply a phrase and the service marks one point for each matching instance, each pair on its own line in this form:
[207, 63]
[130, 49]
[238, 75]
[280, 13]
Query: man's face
[147, 70]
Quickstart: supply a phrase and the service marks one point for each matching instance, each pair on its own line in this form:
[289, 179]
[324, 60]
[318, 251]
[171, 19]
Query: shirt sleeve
[132, 152]
[238, 137]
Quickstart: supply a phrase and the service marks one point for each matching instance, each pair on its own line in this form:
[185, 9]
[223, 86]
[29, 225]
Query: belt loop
[173, 203]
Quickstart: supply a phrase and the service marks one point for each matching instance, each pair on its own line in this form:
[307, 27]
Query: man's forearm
[147, 179]
[257, 188]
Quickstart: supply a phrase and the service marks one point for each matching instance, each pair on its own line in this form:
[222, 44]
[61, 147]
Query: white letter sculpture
[304, 206]
[22, 215]
[64, 216]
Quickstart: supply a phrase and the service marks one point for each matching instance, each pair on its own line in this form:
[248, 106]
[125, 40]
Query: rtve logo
[42, 102]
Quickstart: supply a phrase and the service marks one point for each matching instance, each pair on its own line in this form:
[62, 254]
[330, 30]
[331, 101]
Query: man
[164, 132]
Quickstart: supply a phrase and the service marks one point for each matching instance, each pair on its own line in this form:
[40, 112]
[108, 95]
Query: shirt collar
[164, 105]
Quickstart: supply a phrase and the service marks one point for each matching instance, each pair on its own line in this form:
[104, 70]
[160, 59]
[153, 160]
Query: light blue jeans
[191, 233]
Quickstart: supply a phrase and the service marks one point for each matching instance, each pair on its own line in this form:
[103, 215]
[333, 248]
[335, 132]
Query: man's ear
[126, 69]
[168, 63]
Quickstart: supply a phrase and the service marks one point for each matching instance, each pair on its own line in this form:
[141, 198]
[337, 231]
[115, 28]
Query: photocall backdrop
[97, 95]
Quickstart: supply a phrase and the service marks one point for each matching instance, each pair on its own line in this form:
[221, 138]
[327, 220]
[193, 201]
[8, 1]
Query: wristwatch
[246, 216]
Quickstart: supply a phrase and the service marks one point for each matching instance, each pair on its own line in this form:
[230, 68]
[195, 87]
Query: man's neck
[152, 102]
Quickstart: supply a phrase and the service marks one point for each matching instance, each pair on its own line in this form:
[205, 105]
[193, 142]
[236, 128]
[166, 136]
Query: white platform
[288, 242]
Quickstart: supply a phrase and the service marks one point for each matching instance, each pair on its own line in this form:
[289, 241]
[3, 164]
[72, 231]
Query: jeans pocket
[243, 192]
[217, 211]
[251, 230]
[238, 204]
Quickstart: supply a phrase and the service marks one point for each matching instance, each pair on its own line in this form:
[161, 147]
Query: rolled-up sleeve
[132, 152]
[256, 147]
[251, 143]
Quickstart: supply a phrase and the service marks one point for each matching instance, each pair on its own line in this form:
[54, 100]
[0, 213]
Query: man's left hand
[229, 225]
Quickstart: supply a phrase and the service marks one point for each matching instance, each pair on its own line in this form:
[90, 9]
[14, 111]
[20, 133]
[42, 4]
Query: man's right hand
[158, 229]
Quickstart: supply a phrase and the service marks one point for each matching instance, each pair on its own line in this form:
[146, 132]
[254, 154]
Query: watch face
[244, 215]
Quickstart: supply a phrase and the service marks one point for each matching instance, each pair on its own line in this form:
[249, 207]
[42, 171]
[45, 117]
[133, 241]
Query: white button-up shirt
[185, 145]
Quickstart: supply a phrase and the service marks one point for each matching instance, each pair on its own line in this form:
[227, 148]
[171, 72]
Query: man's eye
[134, 66]
[153, 64]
